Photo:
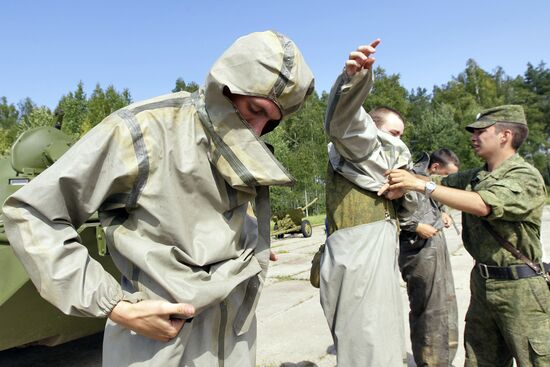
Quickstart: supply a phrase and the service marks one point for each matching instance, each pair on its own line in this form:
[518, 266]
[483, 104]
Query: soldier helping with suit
[509, 313]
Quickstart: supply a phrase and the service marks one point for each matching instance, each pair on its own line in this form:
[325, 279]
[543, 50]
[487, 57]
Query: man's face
[257, 111]
[393, 125]
[438, 169]
[486, 141]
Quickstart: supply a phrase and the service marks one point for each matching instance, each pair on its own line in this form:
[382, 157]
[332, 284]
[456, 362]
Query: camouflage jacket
[516, 193]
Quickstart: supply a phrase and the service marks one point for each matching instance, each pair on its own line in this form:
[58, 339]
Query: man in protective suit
[359, 286]
[172, 178]
[426, 267]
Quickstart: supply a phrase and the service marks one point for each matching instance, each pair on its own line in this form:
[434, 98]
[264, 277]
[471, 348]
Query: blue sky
[49, 46]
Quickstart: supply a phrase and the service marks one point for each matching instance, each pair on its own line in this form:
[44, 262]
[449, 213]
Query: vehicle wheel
[276, 227]
[306, 228]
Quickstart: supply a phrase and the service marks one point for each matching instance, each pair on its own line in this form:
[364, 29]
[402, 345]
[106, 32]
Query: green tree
[435, 129]
[480, 85]
[8, 124]
[39, 116]
[101, 104]
[300, 144]
[75, 107]
[8, 114]
[387, 91]
[182, 86]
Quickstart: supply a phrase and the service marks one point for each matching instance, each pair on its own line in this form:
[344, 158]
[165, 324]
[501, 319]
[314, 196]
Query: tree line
[434, 120]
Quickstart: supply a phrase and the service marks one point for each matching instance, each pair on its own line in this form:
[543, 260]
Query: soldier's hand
[273, 256]
[425, 231]
[404, 180]
[393, 194]
[447, 220]
[155, 319]
[361, 58]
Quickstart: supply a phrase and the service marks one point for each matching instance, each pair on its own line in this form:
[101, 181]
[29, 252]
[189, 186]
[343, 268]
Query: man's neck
[496, 160]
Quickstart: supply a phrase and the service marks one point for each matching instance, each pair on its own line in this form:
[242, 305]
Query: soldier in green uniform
[509, 313]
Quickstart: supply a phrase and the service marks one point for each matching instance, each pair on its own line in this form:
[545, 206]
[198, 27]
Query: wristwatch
[429, 188]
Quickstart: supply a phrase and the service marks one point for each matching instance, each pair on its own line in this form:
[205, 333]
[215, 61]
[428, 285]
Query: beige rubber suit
[360, 293]
[172, 178]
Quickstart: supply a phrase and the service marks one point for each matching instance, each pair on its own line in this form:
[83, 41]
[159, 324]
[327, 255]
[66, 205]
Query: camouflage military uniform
[506, 318]
[426, 268]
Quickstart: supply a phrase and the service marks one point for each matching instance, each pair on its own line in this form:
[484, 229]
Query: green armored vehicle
[25, 317]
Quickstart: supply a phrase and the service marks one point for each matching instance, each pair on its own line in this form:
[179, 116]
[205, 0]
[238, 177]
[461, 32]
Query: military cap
[511, 113]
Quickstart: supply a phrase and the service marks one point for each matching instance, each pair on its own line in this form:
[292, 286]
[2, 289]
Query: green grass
[317, 220]
[284, 278]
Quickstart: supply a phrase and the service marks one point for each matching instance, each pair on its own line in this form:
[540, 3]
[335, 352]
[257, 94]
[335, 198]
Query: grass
[317, 220]
[284, 278]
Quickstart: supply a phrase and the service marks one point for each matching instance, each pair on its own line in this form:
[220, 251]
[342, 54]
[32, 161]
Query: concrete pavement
[292, 330]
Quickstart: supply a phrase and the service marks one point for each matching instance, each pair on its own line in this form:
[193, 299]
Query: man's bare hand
[390, 194]
[425, 231]
[447, 220]
[155, 319]
[273, 256]
[361, 58]
[404, 180]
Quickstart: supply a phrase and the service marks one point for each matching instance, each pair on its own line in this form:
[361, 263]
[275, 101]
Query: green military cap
[511, 113]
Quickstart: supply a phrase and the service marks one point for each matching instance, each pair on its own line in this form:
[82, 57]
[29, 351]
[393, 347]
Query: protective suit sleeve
[348, 125]
[407, 211]
[42, 218]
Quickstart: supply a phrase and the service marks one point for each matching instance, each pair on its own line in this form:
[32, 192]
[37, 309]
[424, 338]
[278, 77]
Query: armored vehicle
[25, 317]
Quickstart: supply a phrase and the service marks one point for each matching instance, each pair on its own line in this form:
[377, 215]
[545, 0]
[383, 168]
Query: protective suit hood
[262, 64]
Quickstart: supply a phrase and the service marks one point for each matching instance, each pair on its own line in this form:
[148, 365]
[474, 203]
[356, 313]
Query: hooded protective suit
[360, 292]
[172, 178]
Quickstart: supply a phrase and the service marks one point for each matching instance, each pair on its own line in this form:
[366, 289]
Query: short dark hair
[379, 113]
[519, 132]
[444, 157]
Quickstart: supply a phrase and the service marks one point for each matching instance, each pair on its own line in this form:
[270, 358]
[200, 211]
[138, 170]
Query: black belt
[512, 272]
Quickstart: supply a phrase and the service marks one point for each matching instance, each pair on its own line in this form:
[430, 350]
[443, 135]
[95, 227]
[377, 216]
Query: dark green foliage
[80, 113]
[433, 121]
[182, 86]
[300, 144]
[9, 116]
[387, 91]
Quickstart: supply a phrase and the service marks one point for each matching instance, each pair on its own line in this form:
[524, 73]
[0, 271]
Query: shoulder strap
[508, 246]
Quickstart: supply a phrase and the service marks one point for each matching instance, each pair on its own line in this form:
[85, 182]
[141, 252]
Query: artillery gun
[292, 221]
[25, 317]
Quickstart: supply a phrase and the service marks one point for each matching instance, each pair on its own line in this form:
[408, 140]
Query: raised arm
[347, 124]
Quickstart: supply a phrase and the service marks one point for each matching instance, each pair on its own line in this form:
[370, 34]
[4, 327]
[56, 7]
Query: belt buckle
[483, 270]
